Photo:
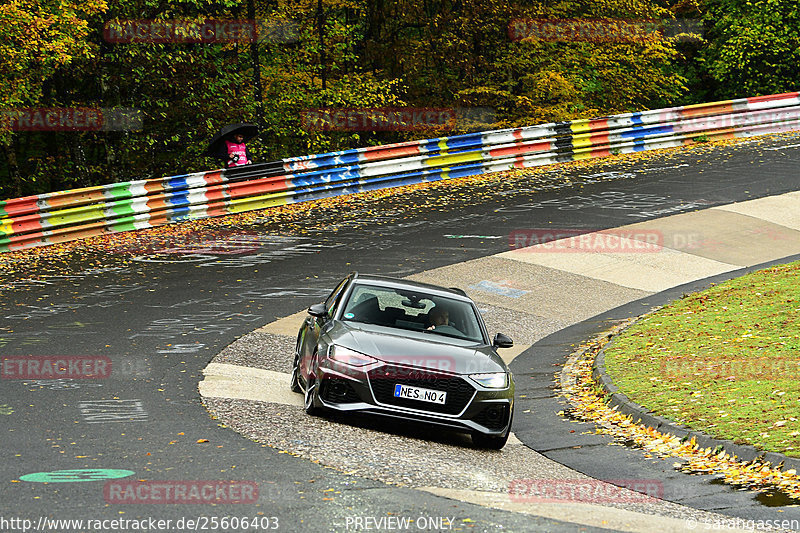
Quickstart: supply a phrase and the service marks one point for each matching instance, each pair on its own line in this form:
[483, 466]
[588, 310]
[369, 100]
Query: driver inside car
[439, 318]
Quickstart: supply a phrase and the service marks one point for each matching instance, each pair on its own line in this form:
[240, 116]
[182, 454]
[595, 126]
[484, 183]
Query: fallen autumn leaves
[590, 404]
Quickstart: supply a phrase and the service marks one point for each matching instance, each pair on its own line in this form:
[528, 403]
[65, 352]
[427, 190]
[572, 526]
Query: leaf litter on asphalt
[589, 403]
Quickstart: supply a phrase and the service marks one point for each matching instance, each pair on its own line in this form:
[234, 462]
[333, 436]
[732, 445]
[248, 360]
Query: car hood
[417, 349]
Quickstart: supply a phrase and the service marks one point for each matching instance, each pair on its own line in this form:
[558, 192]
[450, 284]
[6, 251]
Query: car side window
[334, 297]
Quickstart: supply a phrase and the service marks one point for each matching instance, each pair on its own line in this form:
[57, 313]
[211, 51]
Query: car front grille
[384, 379]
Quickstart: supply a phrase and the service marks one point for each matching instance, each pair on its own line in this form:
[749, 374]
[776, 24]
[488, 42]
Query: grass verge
[725, 361]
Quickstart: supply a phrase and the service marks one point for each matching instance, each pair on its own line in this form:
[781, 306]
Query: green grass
[725, 361]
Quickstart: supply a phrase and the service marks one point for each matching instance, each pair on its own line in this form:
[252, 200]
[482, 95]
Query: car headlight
[494, 380]
[349, 357]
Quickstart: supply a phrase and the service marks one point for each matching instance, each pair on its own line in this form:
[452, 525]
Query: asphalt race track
[160, 317]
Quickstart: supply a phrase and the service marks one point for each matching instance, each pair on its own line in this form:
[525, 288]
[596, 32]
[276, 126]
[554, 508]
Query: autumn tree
[754, 46]
[37, 38]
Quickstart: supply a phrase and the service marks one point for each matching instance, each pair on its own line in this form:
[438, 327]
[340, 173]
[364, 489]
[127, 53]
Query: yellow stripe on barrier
[240, 205]
[453, 159]
[581, 141]
[66, 217]
[6, 226]
[580, 126]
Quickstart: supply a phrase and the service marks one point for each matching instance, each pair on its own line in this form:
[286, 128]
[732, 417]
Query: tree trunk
[13, 167]
[251, 14]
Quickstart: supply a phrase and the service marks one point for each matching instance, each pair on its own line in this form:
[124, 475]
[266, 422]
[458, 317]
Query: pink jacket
[237, 154]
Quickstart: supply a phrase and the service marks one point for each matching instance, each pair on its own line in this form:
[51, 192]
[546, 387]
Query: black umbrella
[227, 132]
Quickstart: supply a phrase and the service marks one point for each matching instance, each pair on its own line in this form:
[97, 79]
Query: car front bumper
[488, 411]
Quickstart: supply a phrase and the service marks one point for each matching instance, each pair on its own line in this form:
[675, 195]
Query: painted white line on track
[782, 147]
[588, 514]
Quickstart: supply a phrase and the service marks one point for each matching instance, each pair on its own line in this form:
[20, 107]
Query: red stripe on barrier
[156, 203]
[705, 109]
[216, 187]
[71, 234]
[522, 148]
[27, 236]
[21, 206]
[216, 199]
[26, 224]
[262, 186]
[71, 198]
[216, 195]
[601, 152]
[215, 208]
[598, 124]
[158, 219]
[772, 97]
[391, 153]
[213, 178]
[153, 186]
[599, 139]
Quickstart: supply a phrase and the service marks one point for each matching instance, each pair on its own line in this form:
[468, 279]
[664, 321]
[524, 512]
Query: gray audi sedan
[407, 350]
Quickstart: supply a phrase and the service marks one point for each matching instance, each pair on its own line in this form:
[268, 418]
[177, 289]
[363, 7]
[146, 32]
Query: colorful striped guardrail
[62, 216]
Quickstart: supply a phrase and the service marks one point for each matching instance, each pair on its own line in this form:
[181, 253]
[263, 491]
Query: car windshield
[412, 310]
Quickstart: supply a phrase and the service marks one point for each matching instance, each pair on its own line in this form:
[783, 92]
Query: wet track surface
[160, 315]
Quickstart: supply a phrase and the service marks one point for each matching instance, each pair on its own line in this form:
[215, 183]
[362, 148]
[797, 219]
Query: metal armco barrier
[63, 216]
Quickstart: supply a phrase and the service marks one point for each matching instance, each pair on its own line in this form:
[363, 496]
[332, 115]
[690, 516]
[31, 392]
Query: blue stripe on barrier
[462, 171]
[642, 132]
[179, 213]
[348, 159]
[176, 183]
[310, 179]
[177, 199]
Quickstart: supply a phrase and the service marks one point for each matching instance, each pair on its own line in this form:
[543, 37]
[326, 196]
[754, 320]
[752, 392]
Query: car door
[313, 328]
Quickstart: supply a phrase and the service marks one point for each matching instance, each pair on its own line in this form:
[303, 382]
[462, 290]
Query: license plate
[418, 393]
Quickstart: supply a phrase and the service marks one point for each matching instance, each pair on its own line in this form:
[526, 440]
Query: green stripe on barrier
[121, 207]
[119, 190]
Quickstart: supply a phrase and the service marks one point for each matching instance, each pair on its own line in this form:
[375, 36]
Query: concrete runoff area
[550, 282]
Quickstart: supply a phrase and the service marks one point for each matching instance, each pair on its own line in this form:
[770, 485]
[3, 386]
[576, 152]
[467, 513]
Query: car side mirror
[318, 310]
[502, 341]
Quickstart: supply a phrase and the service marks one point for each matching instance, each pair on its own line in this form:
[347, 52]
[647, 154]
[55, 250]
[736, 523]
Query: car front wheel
[311, 398]
[295, 380]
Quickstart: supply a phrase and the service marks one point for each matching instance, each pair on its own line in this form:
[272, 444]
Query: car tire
[310, 399]
[295, 380]
[489, 442]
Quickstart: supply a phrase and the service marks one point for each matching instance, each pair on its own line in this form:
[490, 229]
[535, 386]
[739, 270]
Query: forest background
[308, 55]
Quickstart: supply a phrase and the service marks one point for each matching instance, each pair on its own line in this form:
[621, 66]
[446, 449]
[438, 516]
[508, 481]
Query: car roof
[395, 283]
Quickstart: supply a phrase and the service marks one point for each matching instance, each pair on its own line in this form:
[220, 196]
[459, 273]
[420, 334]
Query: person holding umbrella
[229, 144]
